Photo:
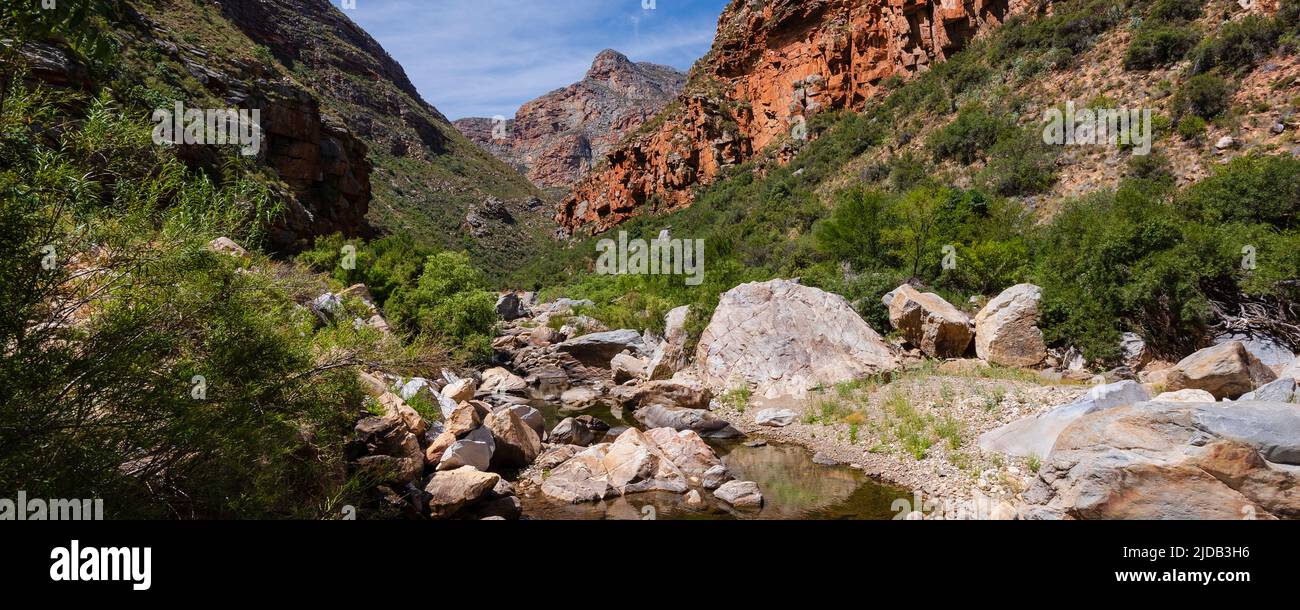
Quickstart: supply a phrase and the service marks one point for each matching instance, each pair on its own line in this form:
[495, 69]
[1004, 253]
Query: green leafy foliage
[138, 366]
[1204, 95]
[450, 302]
[1160, 45]
[970, 136]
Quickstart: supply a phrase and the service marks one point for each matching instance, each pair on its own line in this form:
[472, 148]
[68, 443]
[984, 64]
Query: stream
[793, 485]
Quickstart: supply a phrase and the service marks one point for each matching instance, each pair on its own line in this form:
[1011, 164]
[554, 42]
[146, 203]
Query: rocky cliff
[773, 64]
[554, 139]
[358, 150]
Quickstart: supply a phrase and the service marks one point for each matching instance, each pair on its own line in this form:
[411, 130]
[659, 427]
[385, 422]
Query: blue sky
[486, 57]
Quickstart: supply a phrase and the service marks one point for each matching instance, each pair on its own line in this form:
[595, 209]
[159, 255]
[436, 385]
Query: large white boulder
[783, 338]
[1225, 461]
[1036, 436]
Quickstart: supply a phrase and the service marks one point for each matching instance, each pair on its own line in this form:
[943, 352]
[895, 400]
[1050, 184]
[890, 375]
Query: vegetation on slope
[1146, 256]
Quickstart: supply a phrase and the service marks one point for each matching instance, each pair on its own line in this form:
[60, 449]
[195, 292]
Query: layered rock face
[389, 113]
[323, 163]
[772, 65]
[553, 140]
[1174, 461]
[436, 183]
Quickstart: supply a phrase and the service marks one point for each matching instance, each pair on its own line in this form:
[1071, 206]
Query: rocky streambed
[794, 484]
[578, 421]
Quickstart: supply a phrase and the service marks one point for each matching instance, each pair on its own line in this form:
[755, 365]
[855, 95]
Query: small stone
[740, 494]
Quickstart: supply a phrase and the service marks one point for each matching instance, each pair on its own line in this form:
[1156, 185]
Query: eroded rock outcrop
[772, 65]
[1174, 461]
[782, 339]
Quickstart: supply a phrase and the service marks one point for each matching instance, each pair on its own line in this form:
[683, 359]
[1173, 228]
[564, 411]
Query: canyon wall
[773, 64]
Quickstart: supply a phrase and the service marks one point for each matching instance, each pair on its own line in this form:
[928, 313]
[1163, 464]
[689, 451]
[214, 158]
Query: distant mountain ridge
[556, 139]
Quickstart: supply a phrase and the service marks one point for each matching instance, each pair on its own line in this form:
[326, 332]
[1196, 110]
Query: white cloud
[486, 57]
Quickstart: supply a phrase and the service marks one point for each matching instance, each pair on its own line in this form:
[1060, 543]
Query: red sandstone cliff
[773, 64]
[554, 139]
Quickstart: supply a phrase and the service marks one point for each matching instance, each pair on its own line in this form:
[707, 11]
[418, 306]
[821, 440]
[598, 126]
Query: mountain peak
[608, 62]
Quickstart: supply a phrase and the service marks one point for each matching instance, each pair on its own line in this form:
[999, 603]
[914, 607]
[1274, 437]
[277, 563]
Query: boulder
[452, 490]
[694, 500]
[581, 478]
[531, 416]
[676, 393]
[635, 462]
[783, 339]
[1282, 390]
[670, 356]
[1006, 330]
[474, 450]
[930, 323]
[417, 387]
[460, 390]
[1035, 436]
[504, 508]
[446, 406]
[1175, 461]
[1291, 371]
[543, 336]
[627, 368]
[380, 324]
[579, 399]
[463, 420]
[714, 477]
[1227, 370]
[437, 447]
[598, 349]
[1135, 352]
[554, 455]
[570, 431]
[1185, 396]
[501, 381]
[517, 444]
[776, 418]
[687, 451]
[1269, 351]
[385, 450]
[328, 307]
[740, 494]
[227, 246]
[700, 421]
[510, 307]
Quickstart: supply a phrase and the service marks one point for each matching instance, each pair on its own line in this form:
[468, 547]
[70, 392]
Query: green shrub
[1204, 95]
[1255, 189]
[852, 233]
[1176, 10]
[1162, 45]
[450, 303]
[1238, 46]
[1019, 164]
[1153, 167]
[173, 382]
[969, 136]
[1191, 127]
